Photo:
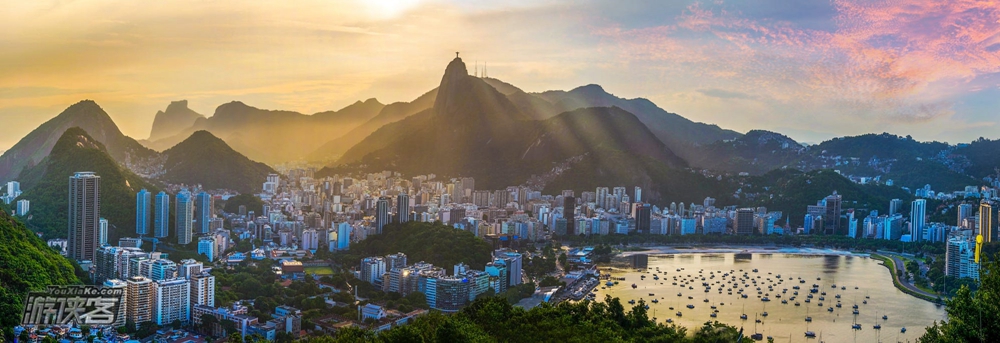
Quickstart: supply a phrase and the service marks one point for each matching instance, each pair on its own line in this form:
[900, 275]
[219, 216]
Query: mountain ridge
[86, 114]
[205, 159]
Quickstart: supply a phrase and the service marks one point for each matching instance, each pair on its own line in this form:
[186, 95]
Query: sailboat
[808, 318]
[877, 326]
[756, 335]
[743, 316]
[764, 314]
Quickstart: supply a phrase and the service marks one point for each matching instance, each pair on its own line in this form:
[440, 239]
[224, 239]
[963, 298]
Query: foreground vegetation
[26, 264]
[972, 316]
[495, 320]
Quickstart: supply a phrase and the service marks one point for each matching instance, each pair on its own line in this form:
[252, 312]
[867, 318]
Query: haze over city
[812, 70]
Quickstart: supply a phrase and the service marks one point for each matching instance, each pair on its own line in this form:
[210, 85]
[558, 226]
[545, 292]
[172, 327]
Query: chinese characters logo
[78, 305]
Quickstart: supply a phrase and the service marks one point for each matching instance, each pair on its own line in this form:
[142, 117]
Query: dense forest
[434, 243]
[26, 264]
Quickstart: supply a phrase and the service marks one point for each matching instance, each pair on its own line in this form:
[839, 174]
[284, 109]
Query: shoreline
[676, 250]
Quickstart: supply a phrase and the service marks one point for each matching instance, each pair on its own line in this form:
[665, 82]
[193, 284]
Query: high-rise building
[395, 261]
[161, 215]
[569, 212]
[23, 206]
[202, 289]
[960, 258]
[918, 218]
[206, 246]
[188, 268]
[744, 221]
[143, 209]
[831, 221]
[402, 208]
[513, 261]
[894, 206]
[601, 197]
[102, 233]
[381, 214]
[122, 304]
[986, 221]
[964, 212]
[637, 196]
[161, 269]
[309, 240]
[184, 222]
[140, 299]
[372, 269]
[643, 215]
[343, 230]
[204, 208]
[172, 301]
[84, 216]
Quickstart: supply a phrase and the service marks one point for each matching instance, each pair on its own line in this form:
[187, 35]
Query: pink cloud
[907, 59]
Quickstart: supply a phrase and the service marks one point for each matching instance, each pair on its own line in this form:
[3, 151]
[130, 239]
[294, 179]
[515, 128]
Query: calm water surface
[785, 322]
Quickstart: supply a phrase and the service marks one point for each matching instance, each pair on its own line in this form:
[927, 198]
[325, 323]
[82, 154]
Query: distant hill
[883, 146]
[274, 136]
[672, 129]
[333, 149]
[207, 160]
[474, 130]
[756, 152]
[173, 120]
[26, 264]
[46, 185]
[87, 115]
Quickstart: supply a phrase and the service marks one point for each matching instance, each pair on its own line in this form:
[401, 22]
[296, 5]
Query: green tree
[972, 317]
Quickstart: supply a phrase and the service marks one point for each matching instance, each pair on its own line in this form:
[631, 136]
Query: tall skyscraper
[569, 212]
[84, 216]
[381, 214]
[403, 208]
[202, 289]
[161, 215]
[143, 209]
[831, 221]
[986, 221]
[637, 195]
[918, 217]
[744, 221]
[204, 209]
[183, 224]
[643, 213]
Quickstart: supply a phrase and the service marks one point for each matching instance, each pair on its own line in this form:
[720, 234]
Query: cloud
[884, 61]
[724, 94]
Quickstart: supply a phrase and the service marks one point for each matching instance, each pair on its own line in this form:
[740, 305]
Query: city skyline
[904, 68]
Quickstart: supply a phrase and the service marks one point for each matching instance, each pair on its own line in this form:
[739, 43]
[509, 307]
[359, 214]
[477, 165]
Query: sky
[812, 70]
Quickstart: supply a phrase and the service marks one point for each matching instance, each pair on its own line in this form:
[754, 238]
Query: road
[905, 281]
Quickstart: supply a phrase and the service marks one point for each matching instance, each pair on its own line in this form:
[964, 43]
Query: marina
[843, 292]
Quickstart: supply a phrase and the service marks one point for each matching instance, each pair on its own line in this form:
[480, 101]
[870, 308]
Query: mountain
[474, 130]
[672, 129]
[46, 185]
[26, 264]
[87, 115]
[333, 149]
[207, 160]
[756, 152]
[274, 136]
[173, 120]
